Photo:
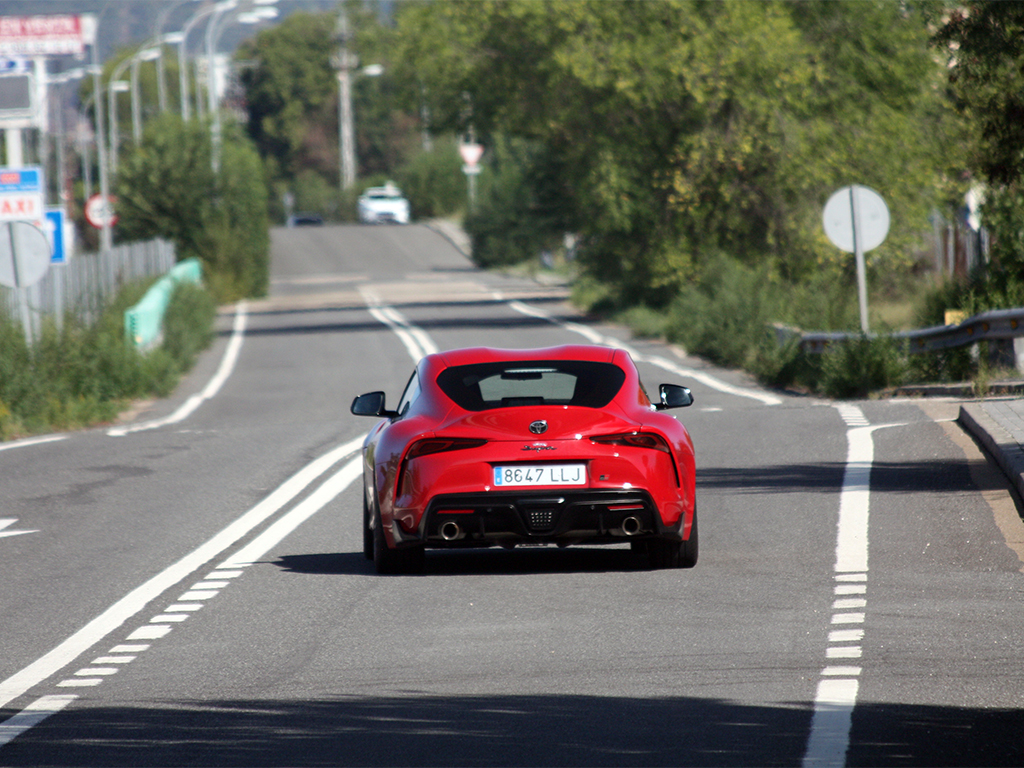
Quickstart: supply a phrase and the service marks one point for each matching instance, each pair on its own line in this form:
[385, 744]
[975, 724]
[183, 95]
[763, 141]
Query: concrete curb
[1001, 444]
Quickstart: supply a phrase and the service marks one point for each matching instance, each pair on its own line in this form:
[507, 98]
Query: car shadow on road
[495, 561]
[414, 728]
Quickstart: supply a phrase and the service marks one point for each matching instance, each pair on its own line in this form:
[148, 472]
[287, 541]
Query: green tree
[679, 129]
[166, 188]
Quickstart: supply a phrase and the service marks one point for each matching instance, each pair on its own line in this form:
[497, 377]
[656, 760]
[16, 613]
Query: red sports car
[512, 446]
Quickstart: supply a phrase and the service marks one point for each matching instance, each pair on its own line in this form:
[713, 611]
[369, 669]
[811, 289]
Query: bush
[860, 366]
[167, 188]
[434, 183]
[83, 375]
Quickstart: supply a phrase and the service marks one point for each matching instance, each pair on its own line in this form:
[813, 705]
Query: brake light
[427, 447]
[634, 439]
[441, 445]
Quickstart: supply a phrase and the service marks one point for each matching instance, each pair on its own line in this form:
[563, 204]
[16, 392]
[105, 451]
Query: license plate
[540, 474]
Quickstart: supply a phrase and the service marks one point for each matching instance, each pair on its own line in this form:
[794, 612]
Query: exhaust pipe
[631, 526]
[450, 531]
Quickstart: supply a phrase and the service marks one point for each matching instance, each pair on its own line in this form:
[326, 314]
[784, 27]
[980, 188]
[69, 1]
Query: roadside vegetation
[670, 160]
[82, 375]
[687, 150]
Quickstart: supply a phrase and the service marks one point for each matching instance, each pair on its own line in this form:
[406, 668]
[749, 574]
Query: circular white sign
[872, 218]
[100, 212]
[24, 254]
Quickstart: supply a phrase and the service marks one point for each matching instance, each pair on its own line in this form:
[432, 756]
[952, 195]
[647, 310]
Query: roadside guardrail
[143, 323]
[996, 324]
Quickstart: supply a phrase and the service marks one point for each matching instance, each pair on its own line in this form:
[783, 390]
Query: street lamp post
[146, 55]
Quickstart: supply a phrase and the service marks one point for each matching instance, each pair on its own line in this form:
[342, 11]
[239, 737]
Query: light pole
[149, 54]
[213, 32]
[114, 86]
[344, 62]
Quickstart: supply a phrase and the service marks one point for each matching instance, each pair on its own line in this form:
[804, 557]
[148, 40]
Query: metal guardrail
[996, 324]
[85, 283]
[143, 323]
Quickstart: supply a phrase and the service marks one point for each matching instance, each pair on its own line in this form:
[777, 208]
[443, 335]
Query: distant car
[305, 220]
[383, 205]
[493, 447]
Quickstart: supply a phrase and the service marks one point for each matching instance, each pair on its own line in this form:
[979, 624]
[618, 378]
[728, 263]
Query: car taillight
[635, 439]
[441, 445]
[427, 447]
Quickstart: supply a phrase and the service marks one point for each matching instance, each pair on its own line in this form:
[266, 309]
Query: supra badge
[539, 427]
[539, 447]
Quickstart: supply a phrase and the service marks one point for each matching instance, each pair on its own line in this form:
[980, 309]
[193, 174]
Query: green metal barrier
[143, 323]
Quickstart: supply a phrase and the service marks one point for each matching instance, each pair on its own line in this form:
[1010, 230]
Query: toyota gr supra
[501, 447]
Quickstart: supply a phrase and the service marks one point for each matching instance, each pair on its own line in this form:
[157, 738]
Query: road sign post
[856, 220]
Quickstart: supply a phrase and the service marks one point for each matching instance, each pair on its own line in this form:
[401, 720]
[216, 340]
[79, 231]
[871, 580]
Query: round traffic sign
[24, 254]
[100, 212]
[872, 219]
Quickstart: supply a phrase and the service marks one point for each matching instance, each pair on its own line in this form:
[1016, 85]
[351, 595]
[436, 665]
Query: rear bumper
[564, 517]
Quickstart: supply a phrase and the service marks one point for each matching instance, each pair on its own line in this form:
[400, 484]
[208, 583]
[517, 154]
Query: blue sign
[55, 233]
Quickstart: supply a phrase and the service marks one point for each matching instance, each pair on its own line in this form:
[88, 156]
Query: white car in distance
[383, 205]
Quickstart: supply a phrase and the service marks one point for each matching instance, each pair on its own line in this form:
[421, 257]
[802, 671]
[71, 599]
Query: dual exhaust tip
[452, 531]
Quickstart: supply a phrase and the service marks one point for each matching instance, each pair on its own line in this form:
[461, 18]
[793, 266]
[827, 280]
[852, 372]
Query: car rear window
[510, 384]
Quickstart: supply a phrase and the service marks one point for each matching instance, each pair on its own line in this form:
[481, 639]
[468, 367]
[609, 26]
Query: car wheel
[394, 561]
[688, 549]
[367, 530]
[662, 553]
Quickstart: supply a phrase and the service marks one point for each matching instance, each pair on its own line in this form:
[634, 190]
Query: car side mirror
[371, 404]
[674, 396]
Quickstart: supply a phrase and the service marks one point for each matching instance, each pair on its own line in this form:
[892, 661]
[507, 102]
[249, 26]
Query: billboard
[44, 35]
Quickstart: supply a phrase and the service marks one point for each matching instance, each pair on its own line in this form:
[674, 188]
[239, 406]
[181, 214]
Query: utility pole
[344, 62]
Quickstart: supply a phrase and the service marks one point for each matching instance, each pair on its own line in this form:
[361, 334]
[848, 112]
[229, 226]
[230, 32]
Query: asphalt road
[190, 590]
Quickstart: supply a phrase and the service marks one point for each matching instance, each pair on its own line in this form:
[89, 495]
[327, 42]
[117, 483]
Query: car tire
[367, 530]
[389, 562]
[689, 549]
[663, 553]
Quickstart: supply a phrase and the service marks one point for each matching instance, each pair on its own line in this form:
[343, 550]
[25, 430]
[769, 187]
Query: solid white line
[227, 364]
[33, 715]
[31, 441]
[852, 538]
[322, 496]
[135, 601]
[830, 726]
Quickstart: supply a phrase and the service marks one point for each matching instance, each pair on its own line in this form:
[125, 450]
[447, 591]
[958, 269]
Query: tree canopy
[680, 128]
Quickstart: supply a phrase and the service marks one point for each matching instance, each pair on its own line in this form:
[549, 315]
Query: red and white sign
[42, 35]
[471, 153]
[99, 211]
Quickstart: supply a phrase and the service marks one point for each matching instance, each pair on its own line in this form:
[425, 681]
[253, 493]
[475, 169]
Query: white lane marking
[417, 343]
[150, 632]
[227, 364]
[322, 496]
[31, 441]
[114, 660]
[833, 712]
[596, 338]
[135, 601]
[836, 696]
[11, 521]
[33, 715]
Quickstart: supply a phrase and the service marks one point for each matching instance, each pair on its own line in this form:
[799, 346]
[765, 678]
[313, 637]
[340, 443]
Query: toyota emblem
[539, 427]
